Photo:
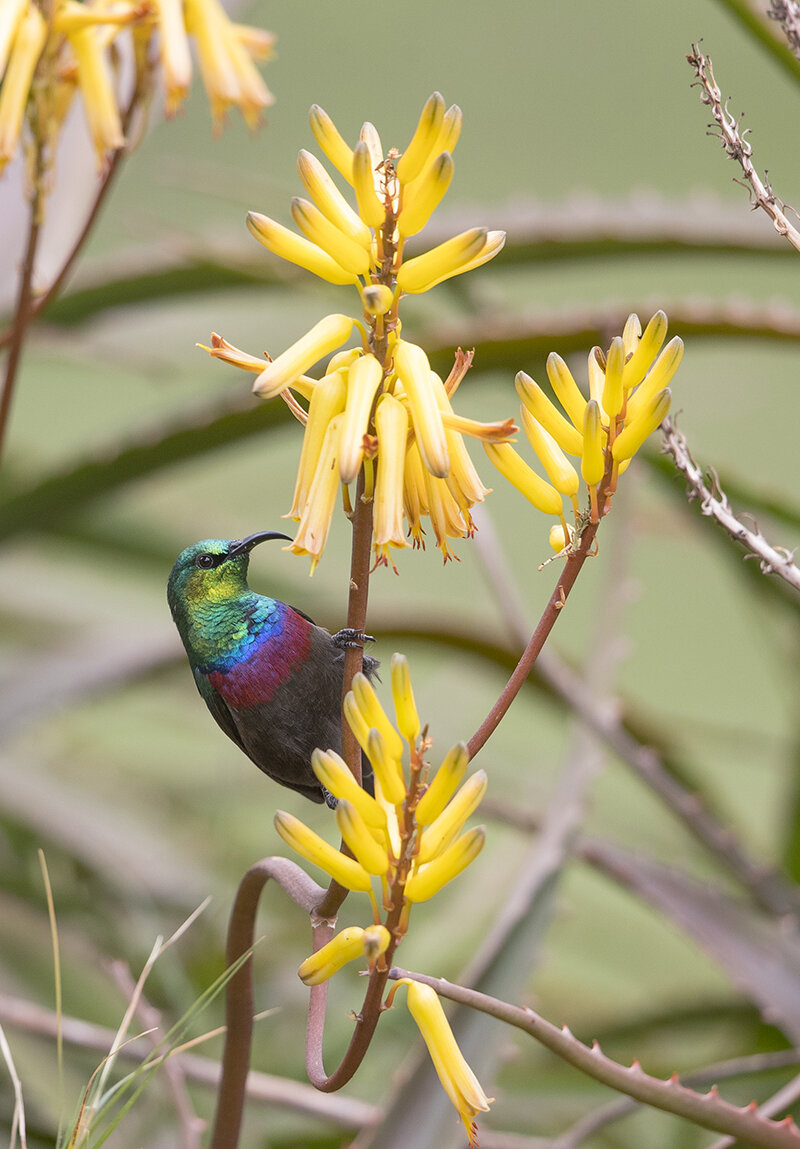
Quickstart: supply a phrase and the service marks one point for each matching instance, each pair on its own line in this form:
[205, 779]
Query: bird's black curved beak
[244, 546]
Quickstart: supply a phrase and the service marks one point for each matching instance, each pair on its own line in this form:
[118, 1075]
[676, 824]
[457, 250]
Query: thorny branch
[714, 503]
[737, 147]
[708, 1110]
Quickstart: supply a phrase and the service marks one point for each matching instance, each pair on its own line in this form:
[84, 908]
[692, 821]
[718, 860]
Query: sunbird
[271, 678]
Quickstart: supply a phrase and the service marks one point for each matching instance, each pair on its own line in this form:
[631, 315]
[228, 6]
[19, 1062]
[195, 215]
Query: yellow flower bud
[388, 769]
[660, 375]
[597, 380]
[534, 398]
[324, 337]
[414, 371]
[334, 774]
[423, 141]
[340, 247]
[377, 298]
[441, 262]
[429, 879]
[560, 471]
[566, 389]
[422, 197]
[369, 135]
[612, 386]
[445, 782]
[631, 334]
[405, 707]
[363, 381]
[558, 539]
[439, 834]
[316, 514]
[375, 942]
[327, 401]
[494, 243]
[458, 1081]
[645, 350]
[345, 947]
[374, 714]
[28, 44]
[343, 359]
[514, 468]
[593, 463]
[330, 200]
[353, 829]
[391, 426]
[634, 434]
[296, 249]
[304, 841]
[327, 136]
[10, 15]
[451, 129]
[370, 205]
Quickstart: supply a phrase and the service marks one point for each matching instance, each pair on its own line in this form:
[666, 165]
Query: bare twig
[714, 503]
[708, 1110]
[264, 1088]
[738, 148]
[787, 14]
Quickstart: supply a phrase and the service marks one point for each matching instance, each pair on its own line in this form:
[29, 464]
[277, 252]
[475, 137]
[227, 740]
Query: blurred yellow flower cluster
[44, 59]
[629, 396]
[380, 406]
[410, 837]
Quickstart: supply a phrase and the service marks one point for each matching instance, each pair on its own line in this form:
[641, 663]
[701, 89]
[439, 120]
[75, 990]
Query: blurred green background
[580, 128]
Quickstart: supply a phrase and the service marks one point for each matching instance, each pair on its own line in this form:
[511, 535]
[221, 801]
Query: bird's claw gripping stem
[350, 637]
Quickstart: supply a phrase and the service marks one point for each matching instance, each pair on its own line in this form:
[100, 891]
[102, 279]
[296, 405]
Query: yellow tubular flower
[593, 463]
[422, 197]
[221, 349]
[353, 829]
[315, 518]
[327, 136]
[494, 243]
[369, 136]
[363, 381]
[334, 774]
[660, 376]
[499, 432]
[458, 1081]
[631, 438]
[451, 129]
[327, 401]
[10, 16]
[176, 62]
[391, 425]
[330, 200]
[597, 379]
[362, 177]
[423, 141]
[345, 947]
[374, 715]
[356, 720]
[612, 387]
[99, 102]
[646, 350]
[340, 247]
[566, 389]
[534, 398]
[439, 834]
[388, 769]
[28, 44]
[445, 516]
[463, 481]
[304, 841]
[414, 371]
[324, 337]
[514, 468]
[445, 782]
[429, 879]
[415, 495]
[405, 707]
[631, 334]
[441, 262]
[296, 249]
[560, 471]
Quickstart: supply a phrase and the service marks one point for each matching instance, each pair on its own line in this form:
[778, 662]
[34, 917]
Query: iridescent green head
[211, 571]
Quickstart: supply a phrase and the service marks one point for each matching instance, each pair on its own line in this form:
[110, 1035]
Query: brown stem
[537, 640]
[23, 311]
[239, 1006]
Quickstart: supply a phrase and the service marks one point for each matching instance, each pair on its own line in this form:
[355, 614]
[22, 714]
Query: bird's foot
[350, 637]
[330, 800]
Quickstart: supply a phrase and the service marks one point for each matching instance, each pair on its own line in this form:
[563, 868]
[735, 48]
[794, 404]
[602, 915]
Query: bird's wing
[219, 708]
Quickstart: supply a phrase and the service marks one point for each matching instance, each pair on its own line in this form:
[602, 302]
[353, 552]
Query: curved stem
[239, 998]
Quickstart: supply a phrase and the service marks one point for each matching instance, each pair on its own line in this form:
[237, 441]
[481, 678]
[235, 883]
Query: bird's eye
[205, 561]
